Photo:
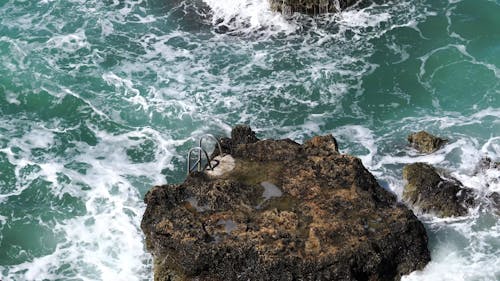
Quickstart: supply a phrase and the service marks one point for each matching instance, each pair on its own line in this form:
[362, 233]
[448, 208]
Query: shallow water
[99, 100]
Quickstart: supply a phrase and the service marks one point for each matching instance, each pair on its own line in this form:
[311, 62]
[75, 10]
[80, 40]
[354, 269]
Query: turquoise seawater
[100, 100]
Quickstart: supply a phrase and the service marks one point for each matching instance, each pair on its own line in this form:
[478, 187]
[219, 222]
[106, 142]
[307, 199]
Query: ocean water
[100, 100]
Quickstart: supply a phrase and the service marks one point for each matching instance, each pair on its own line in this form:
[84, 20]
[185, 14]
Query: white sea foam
[70, 42]
[361, 135]
[471, 251]
[248, 16]
[106, 242]
[362, 18]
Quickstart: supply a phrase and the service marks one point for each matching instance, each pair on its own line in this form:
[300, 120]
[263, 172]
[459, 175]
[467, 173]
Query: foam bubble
[38, 138]
[12, 98]
[69, 43]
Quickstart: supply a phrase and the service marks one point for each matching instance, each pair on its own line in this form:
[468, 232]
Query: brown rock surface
[285, 212]
[425, 142]
[429, 192]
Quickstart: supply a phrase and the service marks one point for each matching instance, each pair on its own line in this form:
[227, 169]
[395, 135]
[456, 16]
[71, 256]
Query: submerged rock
[490, 169]
[486, 163]
[284, 212]
[494, 199]
[425, 142]
[312, 7]
[429, 192]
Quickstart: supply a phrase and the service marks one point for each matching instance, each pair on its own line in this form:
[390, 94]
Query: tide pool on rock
[100, 100]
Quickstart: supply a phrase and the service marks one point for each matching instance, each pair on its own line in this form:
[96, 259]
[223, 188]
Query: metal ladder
[201, 152]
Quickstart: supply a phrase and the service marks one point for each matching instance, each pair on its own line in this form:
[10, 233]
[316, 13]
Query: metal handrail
[202, 152]
[214, 138]
[198, 162]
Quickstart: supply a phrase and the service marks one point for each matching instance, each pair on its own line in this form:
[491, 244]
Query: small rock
[425, 142]
[429, 192]
[243, 134]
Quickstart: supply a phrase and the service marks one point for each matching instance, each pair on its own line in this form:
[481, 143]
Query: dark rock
[495, 201]
[486, 163]
[285, 212]
[240, 135]
[429, 192]
[321, 145]
[226, 145]
[425, 142]
[268, 150]
[312, 7]
[243, 134]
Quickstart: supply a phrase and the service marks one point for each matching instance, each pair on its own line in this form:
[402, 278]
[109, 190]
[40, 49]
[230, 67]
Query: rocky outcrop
[425, 142]
[286, 211]
[312, 7]
[431, 193]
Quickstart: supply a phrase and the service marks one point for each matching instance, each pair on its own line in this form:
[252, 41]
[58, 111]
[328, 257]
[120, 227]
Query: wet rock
[312, 7]
[429, 192]
[425, 142]
[490, 169]
[243, 134]
[268, 150]
[321, 145]
[486, 163]
[240, 135]
[285, 212]
[494, 199]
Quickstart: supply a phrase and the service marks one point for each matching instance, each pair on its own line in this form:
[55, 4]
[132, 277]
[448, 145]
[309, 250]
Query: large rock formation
[431, 193]
[425, 142]
[312, 7]
[284, 212]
